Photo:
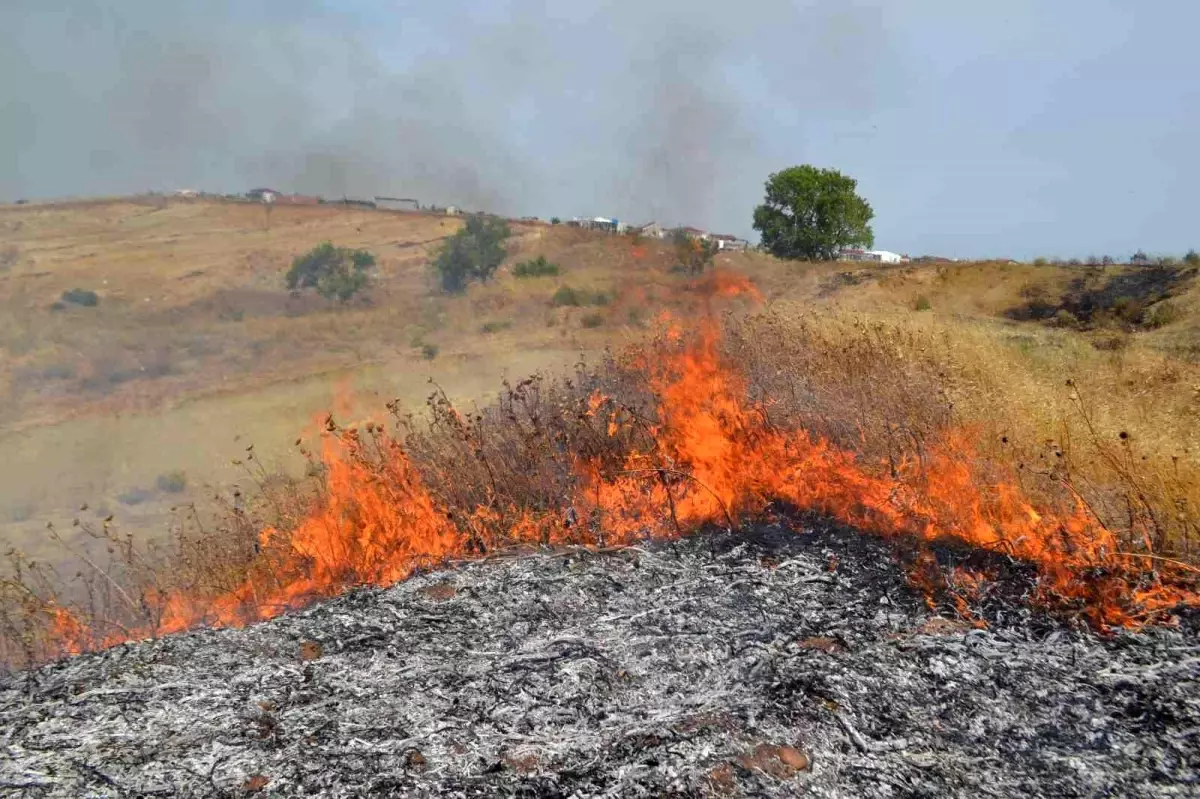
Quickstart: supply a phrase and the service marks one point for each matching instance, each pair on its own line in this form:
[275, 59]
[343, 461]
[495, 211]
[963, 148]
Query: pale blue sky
[1014, 128]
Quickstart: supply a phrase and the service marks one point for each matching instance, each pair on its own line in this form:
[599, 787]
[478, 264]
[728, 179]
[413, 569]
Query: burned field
[787, 659]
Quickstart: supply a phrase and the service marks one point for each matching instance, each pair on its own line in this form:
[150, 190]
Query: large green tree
[475, 252]
[812, 213]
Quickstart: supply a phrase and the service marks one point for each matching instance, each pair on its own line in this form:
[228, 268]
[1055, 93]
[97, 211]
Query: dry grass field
[195, 350]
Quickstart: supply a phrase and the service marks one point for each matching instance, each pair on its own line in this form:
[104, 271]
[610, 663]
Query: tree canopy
[475, 252]
[335, 272]
[811, 213]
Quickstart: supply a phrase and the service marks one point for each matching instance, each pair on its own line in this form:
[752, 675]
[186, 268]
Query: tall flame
[717, 460]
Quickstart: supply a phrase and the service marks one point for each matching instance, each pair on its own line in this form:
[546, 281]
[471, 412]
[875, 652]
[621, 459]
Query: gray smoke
[538, 108]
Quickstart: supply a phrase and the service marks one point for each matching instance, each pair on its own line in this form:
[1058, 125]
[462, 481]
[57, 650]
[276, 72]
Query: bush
[1064, 318]
[566, 296]
[429, 351]
[495, 326]
[475, 252]
[171, 482]
[922, 304]
[335, 272]
[88, 299]
[1039, 261]
[554, 220]
[538, 267]
[575, 298]
[1192, 258]
[592, 320]
[1164, 313]
[693, 254]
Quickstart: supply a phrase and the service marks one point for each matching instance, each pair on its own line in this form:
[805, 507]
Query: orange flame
[717, 460]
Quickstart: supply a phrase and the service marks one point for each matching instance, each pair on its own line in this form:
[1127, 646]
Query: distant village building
[453, 210]
[652, 230]
[693, 233]
[879, 256]
[189, 193]
[602, 223]
[296, 199]
[397, 203]
[262, 195]
[728, 243]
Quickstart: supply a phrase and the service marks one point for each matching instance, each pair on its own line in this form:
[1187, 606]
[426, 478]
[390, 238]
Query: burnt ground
[767, 663]
[1128, 296]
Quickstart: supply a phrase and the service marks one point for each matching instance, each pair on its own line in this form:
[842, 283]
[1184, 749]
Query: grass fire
[662, 441]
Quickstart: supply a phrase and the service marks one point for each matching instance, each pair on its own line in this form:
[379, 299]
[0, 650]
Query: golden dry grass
[195, 349]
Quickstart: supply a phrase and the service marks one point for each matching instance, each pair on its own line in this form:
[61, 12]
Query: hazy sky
[1023, 127]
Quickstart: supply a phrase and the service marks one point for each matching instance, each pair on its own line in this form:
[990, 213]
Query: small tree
[335, 272]
[475, 252]
[1192, 258]
[812, 213]
[694, 253]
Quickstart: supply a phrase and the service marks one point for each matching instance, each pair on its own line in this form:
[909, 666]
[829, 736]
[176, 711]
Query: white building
[726, 242]
[880, 256]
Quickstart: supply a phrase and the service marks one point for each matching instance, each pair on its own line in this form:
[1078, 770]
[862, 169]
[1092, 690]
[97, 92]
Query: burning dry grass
[888, 429]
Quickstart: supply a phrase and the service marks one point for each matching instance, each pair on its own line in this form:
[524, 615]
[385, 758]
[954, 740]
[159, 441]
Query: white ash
[654, 671]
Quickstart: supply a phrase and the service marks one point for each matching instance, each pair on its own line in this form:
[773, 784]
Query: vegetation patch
[337, 273]
[495, 326]
[84, 297]
[538, 267]
[568, 297]
[475, 252]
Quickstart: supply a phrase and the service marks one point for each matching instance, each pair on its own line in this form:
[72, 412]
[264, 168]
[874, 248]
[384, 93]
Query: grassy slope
[195, 350]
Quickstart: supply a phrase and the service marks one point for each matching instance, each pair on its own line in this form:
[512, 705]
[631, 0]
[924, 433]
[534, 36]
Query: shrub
[566, 296]
[1127, 308]
[1163, 313]
[1064, 318]
[538, 267]
[171, 482]
[592, 320]
[429, 351]
[922, 304]
[475, 252]
[1192, 258]
[693, 254]
[554, 220]
[495, 326]
[84, 297]
[575, 298]
[9, 256]
[1039, 261]
[335, 272]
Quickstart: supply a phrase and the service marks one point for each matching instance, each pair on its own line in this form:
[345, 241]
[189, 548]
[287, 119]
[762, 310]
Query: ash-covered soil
[763, 664]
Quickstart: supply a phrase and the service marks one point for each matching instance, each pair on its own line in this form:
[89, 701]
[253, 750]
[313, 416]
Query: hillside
[195, 351]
